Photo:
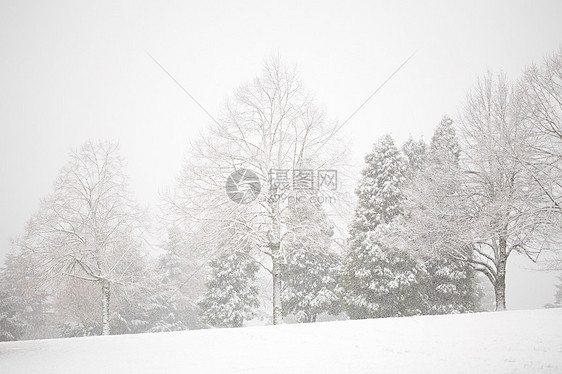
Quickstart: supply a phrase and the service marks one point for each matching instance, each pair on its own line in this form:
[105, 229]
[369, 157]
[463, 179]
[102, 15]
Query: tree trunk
[500, 294]
[499, 285]
[105, 294]
[276, 272]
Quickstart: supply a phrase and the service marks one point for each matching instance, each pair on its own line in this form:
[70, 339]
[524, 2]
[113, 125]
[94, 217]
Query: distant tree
[75, 307]
[379, 280]
[12, 326]
[20, 280]
[231, 297]
[89, 228]
[179, 278]
[558, 294]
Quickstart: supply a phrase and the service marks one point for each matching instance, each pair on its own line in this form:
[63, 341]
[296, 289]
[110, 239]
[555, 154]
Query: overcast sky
[72, 71]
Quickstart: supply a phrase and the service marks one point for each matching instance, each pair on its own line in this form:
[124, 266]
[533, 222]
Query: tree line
[428, 219]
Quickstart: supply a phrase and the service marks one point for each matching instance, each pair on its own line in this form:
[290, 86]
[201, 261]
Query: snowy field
[509, 342]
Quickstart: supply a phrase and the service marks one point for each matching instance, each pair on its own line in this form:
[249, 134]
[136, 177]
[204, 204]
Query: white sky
[70, 71]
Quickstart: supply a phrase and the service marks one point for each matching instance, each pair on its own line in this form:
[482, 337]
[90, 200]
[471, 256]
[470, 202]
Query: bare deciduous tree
[541, 102]
[500, 193]
[485, 208]
[271, 125]
[89, 228]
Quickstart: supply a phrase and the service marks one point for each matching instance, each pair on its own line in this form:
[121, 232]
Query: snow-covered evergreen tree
[231, 297]
[166, 302]
[24, 291]
[416, 156]
[179, 281]
[378, 279]
[311, 267]
[444, 147]
[169, 308]
[12, 326]
[451, 285]
[310, 281]
[379, 191]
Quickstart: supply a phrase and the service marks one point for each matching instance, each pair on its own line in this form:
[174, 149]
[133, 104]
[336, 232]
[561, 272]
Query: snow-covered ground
[511, 342]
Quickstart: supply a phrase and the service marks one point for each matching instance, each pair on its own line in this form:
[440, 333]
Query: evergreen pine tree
[12, 326]
[451, 285]
[25, 295]
[379, 280]
[310, 282]
[231, 297]
[311, 268]
[444, 147]
[171, 307]
[416, 156]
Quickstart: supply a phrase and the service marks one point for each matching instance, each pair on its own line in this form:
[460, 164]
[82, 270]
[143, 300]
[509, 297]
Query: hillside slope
[509, 342]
